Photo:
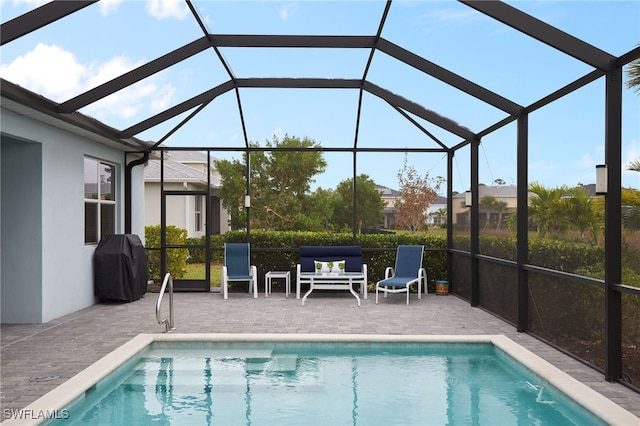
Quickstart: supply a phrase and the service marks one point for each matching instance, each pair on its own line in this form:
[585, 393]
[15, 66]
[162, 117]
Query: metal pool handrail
[168, 323]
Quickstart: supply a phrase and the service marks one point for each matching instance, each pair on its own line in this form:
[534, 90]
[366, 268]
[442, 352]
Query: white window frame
[197, 208]
[98, 200]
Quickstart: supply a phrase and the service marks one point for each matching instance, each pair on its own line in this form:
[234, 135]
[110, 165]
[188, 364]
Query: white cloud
[48, 70]
[286, 10]
[161, 9]
[31, 3]
[633, 152]
[456, 16]
[587, 161]
[55, 73]
[129, 102]
[108, 6]
[162, 98]
[101, 73]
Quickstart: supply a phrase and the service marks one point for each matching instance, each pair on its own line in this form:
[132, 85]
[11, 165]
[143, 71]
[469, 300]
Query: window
[99, 200]
[198, 210]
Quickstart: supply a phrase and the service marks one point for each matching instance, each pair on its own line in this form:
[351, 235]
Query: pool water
[301, 383]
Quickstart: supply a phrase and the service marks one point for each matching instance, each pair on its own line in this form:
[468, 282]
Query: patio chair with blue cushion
[237, 267]
[407, 272]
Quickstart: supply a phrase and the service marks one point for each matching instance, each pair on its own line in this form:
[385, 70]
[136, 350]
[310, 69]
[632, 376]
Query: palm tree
[634, 76]
[441, 216]
[546, 209]
[581, 214]
[491, 204]
[631, 200]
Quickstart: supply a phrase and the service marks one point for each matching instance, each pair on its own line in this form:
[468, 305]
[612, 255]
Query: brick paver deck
[59, 349]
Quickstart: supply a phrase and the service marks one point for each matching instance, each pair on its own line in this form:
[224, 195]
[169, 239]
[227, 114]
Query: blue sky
[566, 138]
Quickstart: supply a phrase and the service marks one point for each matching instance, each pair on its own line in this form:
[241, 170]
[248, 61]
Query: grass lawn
[195, 271]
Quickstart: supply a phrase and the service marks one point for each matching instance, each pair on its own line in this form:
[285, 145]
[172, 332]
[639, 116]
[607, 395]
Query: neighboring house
[505, 193]
[184, 171]
[433, 217]
[389, 196]
[62, 188]
[590, 189]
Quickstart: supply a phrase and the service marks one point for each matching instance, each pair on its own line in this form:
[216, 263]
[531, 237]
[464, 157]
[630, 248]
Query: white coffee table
[333, 281]
[286, 275]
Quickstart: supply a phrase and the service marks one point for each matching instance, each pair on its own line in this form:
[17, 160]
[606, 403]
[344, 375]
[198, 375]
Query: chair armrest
[388, 272]
[422, 275]
[223, 283]
[254, 274]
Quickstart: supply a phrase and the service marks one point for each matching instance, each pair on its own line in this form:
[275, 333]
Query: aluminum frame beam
[448, 77]
[544, 32]
[133, 76]
[302, 83]
[293, 41]
[419, 110]
[39, 17]
[167, 114]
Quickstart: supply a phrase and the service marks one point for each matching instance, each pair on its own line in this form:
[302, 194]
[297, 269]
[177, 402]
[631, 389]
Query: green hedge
[176, 258]
[558, 255]
[278, 250]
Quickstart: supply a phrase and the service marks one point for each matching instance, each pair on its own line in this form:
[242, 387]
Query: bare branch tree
[416, 195]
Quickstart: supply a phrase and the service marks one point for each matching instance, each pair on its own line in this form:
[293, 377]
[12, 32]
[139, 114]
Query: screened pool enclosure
[468, 97]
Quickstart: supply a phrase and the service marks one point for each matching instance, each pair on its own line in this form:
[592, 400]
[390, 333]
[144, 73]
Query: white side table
[286, 275]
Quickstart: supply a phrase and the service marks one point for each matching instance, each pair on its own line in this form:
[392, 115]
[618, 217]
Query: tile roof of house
[387, 192]
[174, 171]
[498, 191]
[440, 200]
[189, 157]
[511, 191]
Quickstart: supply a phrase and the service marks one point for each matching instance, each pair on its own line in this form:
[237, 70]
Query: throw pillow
[330, 267]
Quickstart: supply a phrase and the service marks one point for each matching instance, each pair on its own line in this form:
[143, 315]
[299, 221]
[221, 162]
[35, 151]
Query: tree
[561, 209]
[546, 210]
[233, 190]
[319, 208]
[633, 72]
[491, 204]
[280, 181]
[631, 199]
[416, 195]
[441, 215]
[369, 204]
[580, 213]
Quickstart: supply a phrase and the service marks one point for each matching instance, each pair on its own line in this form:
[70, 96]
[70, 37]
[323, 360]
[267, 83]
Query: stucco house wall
[47, 269]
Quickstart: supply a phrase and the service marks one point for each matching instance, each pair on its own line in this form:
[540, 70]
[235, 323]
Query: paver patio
[37, 358]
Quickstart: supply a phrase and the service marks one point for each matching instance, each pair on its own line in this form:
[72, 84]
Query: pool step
[198, 375]
[200, 353]
[277, 363]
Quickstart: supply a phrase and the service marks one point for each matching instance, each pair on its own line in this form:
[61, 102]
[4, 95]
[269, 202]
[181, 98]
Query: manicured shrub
[176, 258]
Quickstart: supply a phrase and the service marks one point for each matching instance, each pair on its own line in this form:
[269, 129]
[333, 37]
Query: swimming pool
[327, 379]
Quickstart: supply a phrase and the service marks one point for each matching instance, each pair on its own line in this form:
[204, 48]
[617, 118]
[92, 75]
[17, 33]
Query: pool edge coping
[63, 395]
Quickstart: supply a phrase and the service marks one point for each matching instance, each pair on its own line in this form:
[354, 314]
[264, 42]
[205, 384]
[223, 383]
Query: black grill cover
[121, 268]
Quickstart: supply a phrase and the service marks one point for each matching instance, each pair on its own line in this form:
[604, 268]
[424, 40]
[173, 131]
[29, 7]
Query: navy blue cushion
[351, 254]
